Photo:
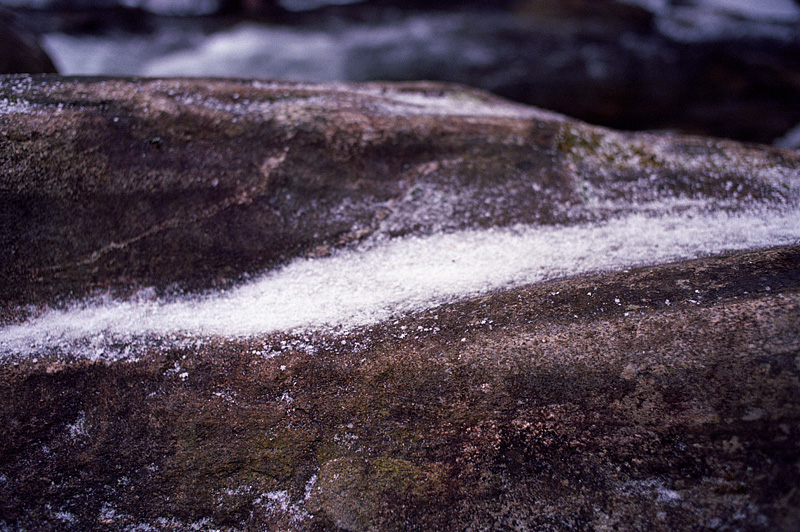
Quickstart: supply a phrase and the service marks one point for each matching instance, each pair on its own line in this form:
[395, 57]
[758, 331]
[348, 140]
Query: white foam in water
[367, 286]
[249, 50]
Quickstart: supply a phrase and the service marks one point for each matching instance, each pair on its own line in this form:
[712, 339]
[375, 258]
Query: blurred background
[726, 68]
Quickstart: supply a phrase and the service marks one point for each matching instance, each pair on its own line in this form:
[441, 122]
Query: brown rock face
[224, 177]
[557, 411]
[113, 183]
[664, 397]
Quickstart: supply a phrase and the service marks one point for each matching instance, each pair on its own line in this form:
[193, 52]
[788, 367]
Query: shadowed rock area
[662, 397]
[19, 51]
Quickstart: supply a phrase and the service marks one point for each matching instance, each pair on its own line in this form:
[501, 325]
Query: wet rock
[663, 397]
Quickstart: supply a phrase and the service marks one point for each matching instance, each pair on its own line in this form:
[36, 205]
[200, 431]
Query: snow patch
[652, 489]
[462, 104]
[279, 502]
[15, 86]
[78, 429]
[11, 106]
[390, 278]
[66, 517]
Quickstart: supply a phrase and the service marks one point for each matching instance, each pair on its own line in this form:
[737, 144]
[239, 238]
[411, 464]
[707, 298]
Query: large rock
[543, 408]
[110, 183]
[664, 397]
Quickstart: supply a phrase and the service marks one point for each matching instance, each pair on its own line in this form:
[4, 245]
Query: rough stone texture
[113, 183]
[659, 398]
[541, 408]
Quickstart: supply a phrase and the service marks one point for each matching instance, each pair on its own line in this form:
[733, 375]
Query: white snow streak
[378, 282]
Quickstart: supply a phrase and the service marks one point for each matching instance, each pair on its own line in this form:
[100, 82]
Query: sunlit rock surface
[627, 358]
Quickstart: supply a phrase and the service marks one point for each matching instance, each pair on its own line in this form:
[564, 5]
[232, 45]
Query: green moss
[375, 494]
[279, 453]
[396, 477]
[216, 469]
[583, 144]
[571, 140]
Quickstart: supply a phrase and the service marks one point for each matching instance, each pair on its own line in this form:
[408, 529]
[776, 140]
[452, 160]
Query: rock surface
[664, 397]
[115, 183]
[542, 408]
